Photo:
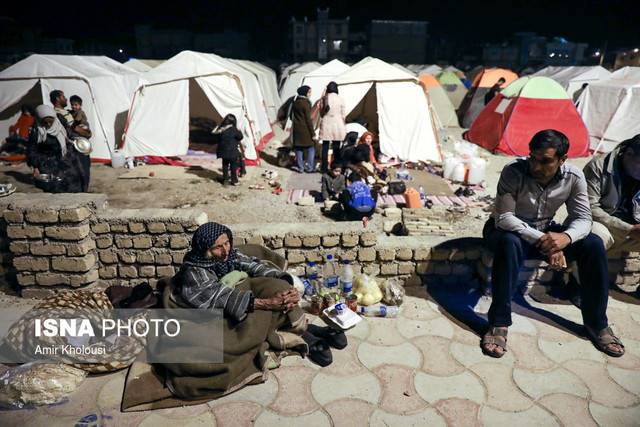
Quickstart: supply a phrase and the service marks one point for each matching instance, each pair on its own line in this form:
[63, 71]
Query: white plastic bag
[393, 292]
[39, 384]
[366, 290]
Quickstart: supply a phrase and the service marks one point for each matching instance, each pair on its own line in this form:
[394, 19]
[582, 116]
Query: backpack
[361, 199]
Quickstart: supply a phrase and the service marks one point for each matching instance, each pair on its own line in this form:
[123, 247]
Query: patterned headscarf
[203, 239]
[56, 130]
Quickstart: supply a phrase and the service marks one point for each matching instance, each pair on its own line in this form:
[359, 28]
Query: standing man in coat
[302, 133]
[332, 126]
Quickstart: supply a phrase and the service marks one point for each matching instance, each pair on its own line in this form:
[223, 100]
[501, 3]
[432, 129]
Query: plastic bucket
[117, 159]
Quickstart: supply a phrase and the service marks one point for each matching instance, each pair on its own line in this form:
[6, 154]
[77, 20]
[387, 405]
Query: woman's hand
[36, 172]
[284, 301]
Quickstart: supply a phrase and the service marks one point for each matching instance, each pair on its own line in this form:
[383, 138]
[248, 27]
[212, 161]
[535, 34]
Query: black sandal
[336, 339]
[319, 350]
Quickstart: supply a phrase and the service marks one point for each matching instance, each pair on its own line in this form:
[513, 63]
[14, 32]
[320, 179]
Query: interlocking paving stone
[349, 412]
[183, 411]
[345, 361]
[294, 391]
[236, 413]
[533, 417]
[436, 359]
[464, 386]
[295, 360]
[428, 417]
[330, 388]
[469, 355]
[527, 353]
[603, 389]
[498, 381]
[606, 416]
[360, 331]
[384, 332]
[418, 309]
[157, 420]
[561, 352]
[270, 419]
[538, 384]
[629, 380]
[83, 400]
[111, 393]
[405, 354]
[571, 410]
[553, 332]
[465, 336]
[522, 325]
[623, 324]
[459, 412]
[417, 328]
[262, 394]
[398, 393]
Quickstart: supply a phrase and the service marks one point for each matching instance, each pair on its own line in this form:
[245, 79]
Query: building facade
[404, 42]
[320, 40]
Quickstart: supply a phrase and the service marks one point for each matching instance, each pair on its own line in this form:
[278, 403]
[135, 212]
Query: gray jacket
[604, 185]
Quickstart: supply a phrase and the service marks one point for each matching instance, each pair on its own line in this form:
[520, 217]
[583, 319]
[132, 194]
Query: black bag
[397, 187]
[324, 108]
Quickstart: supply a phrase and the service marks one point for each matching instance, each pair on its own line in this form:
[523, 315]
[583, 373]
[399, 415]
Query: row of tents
[148, 104]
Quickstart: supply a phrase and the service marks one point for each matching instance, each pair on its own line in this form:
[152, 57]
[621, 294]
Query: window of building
[299, 29]
[337, 44]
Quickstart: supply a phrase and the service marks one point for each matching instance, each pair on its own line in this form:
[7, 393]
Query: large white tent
[319, 78]
[611, 109]
[293, 80]
[142, 65]
[394, 105]
[572, 78]
[268, 85]
[104, 85]
[193, 84]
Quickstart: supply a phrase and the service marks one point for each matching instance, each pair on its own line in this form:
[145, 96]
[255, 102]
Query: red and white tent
[525, 107]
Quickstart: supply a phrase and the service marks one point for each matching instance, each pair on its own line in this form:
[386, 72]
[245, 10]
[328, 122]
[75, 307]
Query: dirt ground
[174, 187]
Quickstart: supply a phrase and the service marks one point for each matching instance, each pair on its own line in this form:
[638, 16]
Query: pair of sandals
[497, 336]
[466, 192]
[320, 341]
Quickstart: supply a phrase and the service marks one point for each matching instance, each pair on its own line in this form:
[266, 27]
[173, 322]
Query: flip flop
[319, 350]
[603, 339]
[336, 339]
[497, 336]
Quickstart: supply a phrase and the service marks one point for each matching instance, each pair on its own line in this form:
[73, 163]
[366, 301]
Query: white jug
[117, 159]
[477, 169]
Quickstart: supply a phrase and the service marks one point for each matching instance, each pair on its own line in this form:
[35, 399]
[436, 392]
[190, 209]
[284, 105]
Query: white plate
[347, 320]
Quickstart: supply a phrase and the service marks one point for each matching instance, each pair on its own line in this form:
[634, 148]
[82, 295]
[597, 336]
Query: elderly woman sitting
[261, 317]
[52, 153]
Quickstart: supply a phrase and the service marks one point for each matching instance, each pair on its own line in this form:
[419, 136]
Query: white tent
[572, 78]
[193, 84]
[430, 69]
[293, 80]
[268, 85]
[104, 85]
[394, 105]
[142, 65]
[611, 109]
[319, 78]
[284, 72]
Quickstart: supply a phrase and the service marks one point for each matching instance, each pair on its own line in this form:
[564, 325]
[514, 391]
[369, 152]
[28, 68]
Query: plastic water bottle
[311, 285]
[378, 310]
[422, 196]
[330, 275]
[346, 279]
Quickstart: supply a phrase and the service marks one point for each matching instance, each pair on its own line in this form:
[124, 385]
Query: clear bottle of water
[378, 310]
[330, 275]
[311, 284]
[422, 195]
[346, 279]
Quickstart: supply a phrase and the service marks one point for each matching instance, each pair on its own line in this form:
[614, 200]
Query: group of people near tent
[55, 142]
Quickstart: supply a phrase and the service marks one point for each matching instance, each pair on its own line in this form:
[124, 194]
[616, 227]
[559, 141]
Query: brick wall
[57, 242]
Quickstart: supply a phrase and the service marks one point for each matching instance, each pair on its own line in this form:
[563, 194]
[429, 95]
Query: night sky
[588, 21]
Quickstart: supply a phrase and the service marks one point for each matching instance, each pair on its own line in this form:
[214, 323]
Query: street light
[120, 50]
[636, 50]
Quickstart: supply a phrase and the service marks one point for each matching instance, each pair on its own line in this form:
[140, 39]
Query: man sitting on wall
[613, 184]
[530, 192]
